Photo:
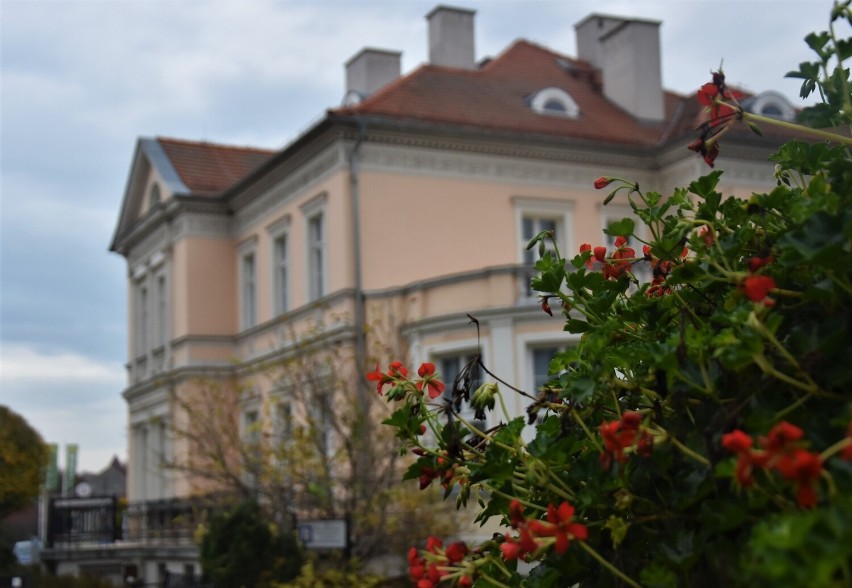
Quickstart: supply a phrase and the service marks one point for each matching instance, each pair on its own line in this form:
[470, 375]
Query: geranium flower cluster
[624, 434]
[559, 525]
[397, 372]
[439, 564]
[612, 265]
[781, 450]
[436, 468]
[756, 286]
[722, 115]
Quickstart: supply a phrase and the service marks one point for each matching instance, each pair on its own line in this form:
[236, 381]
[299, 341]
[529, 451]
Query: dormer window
[554, 101]
[771, 104]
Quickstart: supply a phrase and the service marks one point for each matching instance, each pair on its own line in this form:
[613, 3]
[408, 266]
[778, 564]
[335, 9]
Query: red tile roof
[496, 97]
[207, 168]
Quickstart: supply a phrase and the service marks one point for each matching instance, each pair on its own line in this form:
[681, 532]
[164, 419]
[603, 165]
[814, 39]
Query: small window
[249, 291]
[555, 101]
[281, 269]
[316, 256]
[154, 196]
[771, 110]
[141, 321]
[450, 368]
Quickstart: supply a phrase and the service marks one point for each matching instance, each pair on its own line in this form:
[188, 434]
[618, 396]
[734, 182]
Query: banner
[70, 469]
[51, 475]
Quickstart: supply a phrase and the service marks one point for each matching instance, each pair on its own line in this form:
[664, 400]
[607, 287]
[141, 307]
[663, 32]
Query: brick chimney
[627, 51]
[451, 37]
[368, 70]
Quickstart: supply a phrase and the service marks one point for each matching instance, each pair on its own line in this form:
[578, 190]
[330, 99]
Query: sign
[331, 534]
[70, 469]
[51, 476]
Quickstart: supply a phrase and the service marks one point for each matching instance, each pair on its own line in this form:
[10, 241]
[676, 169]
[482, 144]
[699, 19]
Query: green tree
[23, 459]
[243, 550]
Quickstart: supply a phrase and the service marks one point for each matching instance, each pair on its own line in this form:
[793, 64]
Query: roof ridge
[212, 145]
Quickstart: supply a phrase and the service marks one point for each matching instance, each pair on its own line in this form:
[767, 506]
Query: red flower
[560, 526]
[755, 263]
[513, 548]
[456, 551]
[737, 441]
[465, 582]
[603, 182]
[780, 437]
[600, 253]
[397, 370]
[516, 513]
[427, 372]
[619, 435]
[756, 288]
[545, 305]
[380, 378]
[619, 241]
[583, 248]
[803, 468]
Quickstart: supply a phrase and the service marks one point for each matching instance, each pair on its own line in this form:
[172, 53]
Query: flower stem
[817, 133]
[614, 570]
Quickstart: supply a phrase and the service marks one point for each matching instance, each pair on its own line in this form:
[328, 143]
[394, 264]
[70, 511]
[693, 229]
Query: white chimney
[627, 51]
[370, 70]
[451, 37]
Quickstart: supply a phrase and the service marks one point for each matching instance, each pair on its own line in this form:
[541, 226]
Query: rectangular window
[449, 368]
[532, 226]
[282, 428]
[541, 357]
[249, 291]
[141, 321]
[316, 257]
[281, 269]
[161, 311]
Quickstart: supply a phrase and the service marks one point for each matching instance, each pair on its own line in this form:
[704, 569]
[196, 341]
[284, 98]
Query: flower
[524, 543]
[455, 552]
[803, 468]
[736, 441]
[559, 525]
[603, 182]
[622, 434]
[427, 372]
[756, 288]
[583, 248]
[600, 253]
[380, 378]
[545, 305]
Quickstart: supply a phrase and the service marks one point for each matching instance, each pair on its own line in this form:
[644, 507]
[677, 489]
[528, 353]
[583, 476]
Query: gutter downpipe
[360, 326]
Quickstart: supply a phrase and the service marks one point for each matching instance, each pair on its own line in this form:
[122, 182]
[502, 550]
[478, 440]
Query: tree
[700, 432]
[23, 459]
[312, 448]
[242, 549]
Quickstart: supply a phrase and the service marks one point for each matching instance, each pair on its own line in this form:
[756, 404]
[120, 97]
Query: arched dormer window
[555, 101]
[771, 104]
[154, 196]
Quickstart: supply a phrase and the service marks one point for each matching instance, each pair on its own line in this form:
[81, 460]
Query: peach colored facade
[374, 220]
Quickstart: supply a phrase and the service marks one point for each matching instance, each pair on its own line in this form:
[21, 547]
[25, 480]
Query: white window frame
[281, 268]
[142, 318]
[550, 94]
[316, 282]
[248, 284]
[561, 211]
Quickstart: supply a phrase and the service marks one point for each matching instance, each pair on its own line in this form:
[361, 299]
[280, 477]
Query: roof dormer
[554, 101]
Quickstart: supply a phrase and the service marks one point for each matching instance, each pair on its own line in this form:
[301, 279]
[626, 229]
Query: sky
[80, 81]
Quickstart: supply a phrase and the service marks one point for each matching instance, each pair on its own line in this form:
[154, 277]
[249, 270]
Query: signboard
[51, 476]
[70, 469]
[331, 534]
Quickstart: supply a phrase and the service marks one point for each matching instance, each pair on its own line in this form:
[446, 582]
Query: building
[410, 204]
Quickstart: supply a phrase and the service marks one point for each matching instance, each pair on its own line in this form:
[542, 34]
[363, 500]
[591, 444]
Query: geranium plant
[699, 433]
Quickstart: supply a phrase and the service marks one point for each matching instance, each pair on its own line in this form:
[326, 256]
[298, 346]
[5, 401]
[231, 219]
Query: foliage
[23, 458]
[350, 575]
[313, 451]
[241, 548]
[34, 576]
[699, 433]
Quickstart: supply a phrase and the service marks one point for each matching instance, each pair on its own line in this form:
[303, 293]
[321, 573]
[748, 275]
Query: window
[279, 234]
[154, 196]
[161, 311]
[554, 101]
[533, 216]
[141, 320]
[450, 367]
[316, 256]
[541, 357]
[282, 426]
[251, 432]
[281, 280]
[248, 277]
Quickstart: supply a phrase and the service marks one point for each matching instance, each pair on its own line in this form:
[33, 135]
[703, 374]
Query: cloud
[68, 398]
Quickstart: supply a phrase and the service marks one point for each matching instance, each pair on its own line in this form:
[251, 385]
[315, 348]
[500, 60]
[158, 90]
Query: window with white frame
[279, 232]
[449, 367]
[316, 246]
[141, 320]
[162, 310]
[532, 216]
[248, 290]
[316, 256]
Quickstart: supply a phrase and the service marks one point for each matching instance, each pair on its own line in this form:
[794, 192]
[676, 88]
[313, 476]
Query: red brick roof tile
[496, 97]
[207, 168]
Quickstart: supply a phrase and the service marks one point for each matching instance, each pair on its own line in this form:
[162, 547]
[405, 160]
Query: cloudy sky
[81, 80]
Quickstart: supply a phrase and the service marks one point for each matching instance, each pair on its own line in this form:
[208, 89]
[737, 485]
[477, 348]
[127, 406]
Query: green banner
[51, 475]
[70, 469]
